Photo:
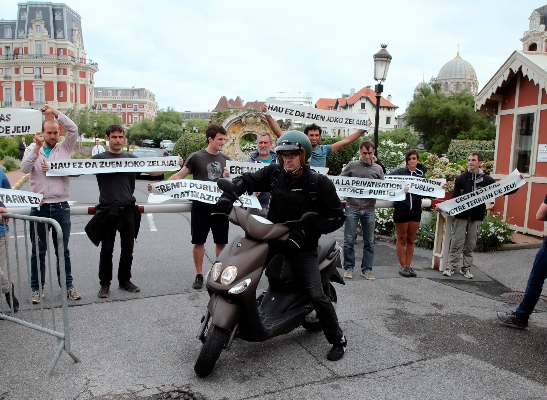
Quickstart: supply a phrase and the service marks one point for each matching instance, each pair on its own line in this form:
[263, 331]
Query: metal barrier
[31, 315]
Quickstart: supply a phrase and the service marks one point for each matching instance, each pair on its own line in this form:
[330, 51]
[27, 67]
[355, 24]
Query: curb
[20, 182]
[503, 247]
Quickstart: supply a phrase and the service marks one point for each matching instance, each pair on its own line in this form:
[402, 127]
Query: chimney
[352, 92]
[389, 98]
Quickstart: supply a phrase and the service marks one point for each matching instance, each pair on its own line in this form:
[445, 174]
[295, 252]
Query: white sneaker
[448, 272]
[348, 274]
[467, 273]
[73, 294]
[35, 297]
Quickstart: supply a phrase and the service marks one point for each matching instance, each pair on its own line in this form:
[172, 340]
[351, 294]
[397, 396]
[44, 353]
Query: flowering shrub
[390, 154]
[494, 232]
[384, 222]
[441, 168]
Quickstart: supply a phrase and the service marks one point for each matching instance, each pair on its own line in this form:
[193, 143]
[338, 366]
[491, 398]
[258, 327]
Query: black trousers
[306, 267]
[125, 224]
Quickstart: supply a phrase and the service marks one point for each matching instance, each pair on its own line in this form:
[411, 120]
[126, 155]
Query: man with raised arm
[55, 190]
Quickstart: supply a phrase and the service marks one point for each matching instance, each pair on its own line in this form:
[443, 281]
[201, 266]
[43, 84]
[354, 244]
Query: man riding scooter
[289, 183]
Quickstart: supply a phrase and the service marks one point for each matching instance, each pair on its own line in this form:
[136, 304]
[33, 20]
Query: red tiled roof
[325, 104]
[257, 105]
[225, 104]
[345, 101]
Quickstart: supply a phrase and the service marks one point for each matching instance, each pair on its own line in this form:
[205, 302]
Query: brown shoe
[130, 287]
[104, 292]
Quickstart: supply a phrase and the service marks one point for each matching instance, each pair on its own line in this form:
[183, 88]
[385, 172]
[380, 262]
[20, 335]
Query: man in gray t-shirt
[208, 164]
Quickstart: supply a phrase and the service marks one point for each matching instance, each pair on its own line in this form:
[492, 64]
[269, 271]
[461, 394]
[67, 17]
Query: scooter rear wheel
[210, 351]
[315, 326]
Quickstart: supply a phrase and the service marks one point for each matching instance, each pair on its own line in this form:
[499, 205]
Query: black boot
[15, 301]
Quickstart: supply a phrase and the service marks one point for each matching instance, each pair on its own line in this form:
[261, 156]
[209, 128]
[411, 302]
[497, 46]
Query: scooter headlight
[215, 271]
[228, 275]
[240, 287]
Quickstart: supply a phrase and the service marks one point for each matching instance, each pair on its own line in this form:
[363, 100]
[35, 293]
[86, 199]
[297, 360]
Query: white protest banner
[320, 117]
[204, 191]
[368, 188]
[18, 198]
[236, 168]
[482, 195]
[105, 166]
[17, 121]
[421, 186]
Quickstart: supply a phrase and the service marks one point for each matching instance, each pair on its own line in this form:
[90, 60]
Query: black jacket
[412, 202]
[467, 183]
[290, 199]
[110, 214]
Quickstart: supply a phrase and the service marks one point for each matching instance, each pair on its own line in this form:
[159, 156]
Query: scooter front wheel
[210, 351]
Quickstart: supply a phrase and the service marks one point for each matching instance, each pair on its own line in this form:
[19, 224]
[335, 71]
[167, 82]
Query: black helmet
[294, 140]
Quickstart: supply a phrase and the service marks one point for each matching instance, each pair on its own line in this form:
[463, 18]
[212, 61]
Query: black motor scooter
[235, 310]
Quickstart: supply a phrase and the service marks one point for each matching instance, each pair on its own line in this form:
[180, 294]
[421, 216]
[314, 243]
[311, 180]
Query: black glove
[225, 204]
[297, 237]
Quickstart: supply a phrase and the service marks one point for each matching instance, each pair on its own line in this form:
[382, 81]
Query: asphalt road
[430, 337]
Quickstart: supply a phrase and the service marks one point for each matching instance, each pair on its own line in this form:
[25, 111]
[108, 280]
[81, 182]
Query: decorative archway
[250, 121]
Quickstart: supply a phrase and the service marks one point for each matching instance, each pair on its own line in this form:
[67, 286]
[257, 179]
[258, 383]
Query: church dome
[456, 75]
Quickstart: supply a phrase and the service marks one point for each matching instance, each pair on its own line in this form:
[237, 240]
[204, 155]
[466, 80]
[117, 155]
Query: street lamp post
[382, 59]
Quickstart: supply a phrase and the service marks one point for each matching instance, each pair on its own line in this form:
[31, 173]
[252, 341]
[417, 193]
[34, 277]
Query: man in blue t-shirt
[265, 155]
[320, 152]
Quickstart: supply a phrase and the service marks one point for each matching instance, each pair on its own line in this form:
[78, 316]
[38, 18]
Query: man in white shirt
[97, 149]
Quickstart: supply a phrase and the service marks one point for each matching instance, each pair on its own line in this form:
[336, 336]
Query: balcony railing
[36, 103]
[6, 103]
[79, 60]
[7, 77]
[37, 76]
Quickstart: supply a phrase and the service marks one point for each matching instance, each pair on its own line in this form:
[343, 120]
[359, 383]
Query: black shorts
[401, 217]
[205, 218]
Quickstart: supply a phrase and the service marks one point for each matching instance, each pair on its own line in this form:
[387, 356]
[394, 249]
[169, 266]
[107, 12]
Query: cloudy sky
[192, 52]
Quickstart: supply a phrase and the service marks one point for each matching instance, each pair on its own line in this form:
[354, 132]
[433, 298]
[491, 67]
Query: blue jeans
[60, 212]
[535, 285]
[367, 218]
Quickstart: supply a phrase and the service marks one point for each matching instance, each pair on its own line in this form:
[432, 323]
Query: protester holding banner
[468, 222]
[296, 191]
[313, 131]
[208, 164]
[4, 183]
[264, 155]
[519, 317]
[407, 214]
[361, 209]
[55, 191]
[116, 212]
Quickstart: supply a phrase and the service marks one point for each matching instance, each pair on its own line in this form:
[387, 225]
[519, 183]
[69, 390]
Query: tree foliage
[85, 117]
[221, 116]
[440, 117]
[189, 143]
[400, 136]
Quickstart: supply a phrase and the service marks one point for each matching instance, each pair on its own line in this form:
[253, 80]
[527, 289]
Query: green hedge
[189, 143]
[460, 149]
